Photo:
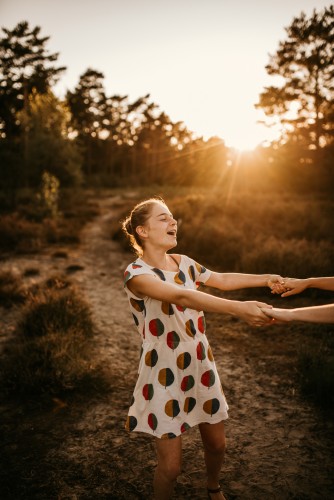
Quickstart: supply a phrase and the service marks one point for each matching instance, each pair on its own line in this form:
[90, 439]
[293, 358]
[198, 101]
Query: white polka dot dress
[178, 384]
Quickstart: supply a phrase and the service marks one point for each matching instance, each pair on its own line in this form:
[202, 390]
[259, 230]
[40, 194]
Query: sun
[247, 135]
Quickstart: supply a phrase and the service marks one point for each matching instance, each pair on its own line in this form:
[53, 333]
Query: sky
[202, 61]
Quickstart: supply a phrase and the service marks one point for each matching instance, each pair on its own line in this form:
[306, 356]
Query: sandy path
[278, 448]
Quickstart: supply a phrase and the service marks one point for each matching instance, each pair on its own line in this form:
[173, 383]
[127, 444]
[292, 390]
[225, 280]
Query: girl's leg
[169, 455]
[213, 437]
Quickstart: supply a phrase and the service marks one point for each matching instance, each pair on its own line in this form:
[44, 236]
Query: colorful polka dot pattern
[178, 385]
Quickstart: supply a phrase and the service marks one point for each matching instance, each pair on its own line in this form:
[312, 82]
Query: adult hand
[251, 312]
[293, 286]
[278, 315]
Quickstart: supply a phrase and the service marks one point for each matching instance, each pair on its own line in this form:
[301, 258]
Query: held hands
[252, 312]
[277, 284]
[278, 315]
[288, 286]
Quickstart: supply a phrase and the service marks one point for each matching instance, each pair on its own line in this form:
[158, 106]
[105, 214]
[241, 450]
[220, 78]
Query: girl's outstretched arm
[235, 281]
[148, 286]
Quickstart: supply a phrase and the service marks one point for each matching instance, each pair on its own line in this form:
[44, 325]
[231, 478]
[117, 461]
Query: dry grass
[11, 290]
[52, 346]
[293, 236]
[26, 231]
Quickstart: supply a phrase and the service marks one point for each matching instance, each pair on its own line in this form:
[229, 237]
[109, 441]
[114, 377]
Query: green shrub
[48, 196]
[51, 350]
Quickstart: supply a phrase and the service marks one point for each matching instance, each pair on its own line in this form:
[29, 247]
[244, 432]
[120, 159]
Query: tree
[46, 121]
[88, 104]
[24, 64]
[304, 62]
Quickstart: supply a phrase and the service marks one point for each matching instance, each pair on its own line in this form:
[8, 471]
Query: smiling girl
[178, 385]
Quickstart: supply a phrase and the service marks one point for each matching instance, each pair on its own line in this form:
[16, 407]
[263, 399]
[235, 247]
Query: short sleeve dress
[178, 385]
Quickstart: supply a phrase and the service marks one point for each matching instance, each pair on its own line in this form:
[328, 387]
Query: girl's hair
[138, 216]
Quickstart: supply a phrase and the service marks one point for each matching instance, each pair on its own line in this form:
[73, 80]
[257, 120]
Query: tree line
[90, 137]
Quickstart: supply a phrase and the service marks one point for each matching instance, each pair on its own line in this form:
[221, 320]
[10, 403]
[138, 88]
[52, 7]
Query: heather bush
[51, 350]
[293, 237]
[289, 257]
[280, 233]
[11, 290]
[316, 366]
[19, 234]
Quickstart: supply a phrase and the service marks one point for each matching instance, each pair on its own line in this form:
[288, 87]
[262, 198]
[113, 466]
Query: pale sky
[202, 61]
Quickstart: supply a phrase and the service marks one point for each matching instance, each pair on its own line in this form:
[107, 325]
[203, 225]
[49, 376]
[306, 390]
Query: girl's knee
[216, 447]
[171, 470]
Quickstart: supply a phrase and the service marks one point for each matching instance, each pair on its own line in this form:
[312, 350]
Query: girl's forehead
[159, 209]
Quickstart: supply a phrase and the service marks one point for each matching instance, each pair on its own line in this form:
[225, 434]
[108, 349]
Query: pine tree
[24, 64]
[304, 63]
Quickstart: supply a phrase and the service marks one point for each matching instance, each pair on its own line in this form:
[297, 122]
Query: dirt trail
[278, 447]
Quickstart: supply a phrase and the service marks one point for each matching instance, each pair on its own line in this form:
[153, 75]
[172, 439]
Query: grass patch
[316, 371]
[274, 233]
[11, 290]
[20, 235]
[51, 351]
[60, 254]
[30, 272]
[26, 231]
[73, 268]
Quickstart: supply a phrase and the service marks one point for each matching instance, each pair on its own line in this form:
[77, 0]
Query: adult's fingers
[293, 291]
[263, 304]
[267, 311]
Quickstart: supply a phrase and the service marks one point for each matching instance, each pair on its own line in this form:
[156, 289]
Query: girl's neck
[160, 260]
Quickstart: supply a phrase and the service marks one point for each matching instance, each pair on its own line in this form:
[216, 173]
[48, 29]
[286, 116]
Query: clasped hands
[258, 313]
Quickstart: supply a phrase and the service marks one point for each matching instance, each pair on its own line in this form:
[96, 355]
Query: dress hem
[154, 434]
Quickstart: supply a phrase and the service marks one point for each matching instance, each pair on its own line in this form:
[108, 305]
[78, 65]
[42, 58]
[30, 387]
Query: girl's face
[160, 228]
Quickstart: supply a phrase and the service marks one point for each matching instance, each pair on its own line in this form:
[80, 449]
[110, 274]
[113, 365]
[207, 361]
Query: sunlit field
[287, 234]
[66, 341]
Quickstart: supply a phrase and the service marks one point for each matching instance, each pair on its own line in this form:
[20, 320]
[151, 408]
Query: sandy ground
[279, 446]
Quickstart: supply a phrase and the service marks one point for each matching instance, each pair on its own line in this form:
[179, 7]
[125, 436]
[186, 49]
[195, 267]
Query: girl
[178, 385]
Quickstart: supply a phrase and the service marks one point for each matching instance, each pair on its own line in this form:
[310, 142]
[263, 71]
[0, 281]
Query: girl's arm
[149, 286]
[235, 281]
[313, 314]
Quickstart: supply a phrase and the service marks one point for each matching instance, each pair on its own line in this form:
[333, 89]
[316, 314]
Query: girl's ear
[141, 231]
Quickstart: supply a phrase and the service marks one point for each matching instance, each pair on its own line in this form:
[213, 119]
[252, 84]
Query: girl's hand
[251, 312]
[276, 284]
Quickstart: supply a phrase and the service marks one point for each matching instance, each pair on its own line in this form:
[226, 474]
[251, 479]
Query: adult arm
[150, 286]
[295, 286]
[313, 314]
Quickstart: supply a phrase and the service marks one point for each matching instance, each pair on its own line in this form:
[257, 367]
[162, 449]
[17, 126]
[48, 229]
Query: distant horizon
[180, 54]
